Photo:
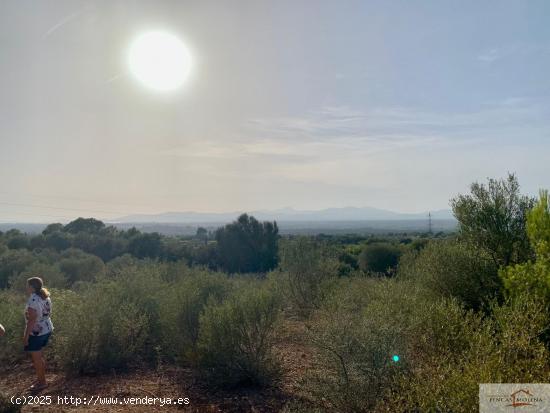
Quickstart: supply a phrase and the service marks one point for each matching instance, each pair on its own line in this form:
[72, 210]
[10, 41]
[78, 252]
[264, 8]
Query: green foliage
[356, 333]
[146, 245]
[50, 274]
[202, 235]
[236, 338]
[247, 245]
[379, 258]
[457, 350]
[445, 351]
[18, 241]
[57, 241]
[89, 225]
[181, 309]
[147, 304]
[308, 266]
[493, 218]
[533, 277]
[115, 324]
[78, 266]
[11, 312]
[12, 263]
[453, 269]
[51, 228]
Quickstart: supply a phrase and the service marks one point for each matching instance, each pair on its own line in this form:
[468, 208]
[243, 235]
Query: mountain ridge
[285, 214]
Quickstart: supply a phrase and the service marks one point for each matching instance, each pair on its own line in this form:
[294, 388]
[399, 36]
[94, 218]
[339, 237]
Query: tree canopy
[247, 245]
[493, 218]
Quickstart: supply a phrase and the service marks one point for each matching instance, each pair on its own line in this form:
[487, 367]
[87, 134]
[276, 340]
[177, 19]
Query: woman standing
[38, 328]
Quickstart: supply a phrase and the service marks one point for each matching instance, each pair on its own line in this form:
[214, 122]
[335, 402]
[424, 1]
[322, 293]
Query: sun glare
[159, 60]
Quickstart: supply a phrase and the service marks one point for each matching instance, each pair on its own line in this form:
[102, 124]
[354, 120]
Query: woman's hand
[25, 340]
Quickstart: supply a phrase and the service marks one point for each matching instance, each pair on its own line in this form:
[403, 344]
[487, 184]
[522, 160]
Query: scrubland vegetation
[404, 323]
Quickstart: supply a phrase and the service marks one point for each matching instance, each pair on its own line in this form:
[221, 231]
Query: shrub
[11, 311]
[12, 263]
[459, 350]
[379, 258]
[182, 307]
[53, 278]
[78, 266]
[356, 333]
[147, 245]
[236, 338]
[445, 350]
[309, 266]
[116, 322]
[453, 269]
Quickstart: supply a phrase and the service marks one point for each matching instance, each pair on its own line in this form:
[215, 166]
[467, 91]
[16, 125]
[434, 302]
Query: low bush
[115, 324]
[356, 334]
[309, 267]
[11, 311]
[444, 350]
[236, 338]
[181, 308]
[453, 269]
[78, 266]
[380, 258]
[458, 350]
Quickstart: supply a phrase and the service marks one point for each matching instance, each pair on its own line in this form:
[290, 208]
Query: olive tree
[493, 218]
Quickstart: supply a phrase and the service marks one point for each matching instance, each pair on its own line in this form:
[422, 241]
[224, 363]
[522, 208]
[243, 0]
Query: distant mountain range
[287, 215]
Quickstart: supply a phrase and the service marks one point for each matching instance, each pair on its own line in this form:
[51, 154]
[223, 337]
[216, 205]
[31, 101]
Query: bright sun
[159, 60]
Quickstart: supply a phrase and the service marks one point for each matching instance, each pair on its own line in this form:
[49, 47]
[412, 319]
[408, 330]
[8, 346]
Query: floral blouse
[43, 310]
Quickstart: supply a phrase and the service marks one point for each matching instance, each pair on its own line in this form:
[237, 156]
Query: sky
[295, 103]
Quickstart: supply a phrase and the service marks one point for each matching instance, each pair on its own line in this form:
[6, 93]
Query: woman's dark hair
[37, 285]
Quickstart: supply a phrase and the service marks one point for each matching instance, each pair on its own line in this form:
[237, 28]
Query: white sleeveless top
[43, 310]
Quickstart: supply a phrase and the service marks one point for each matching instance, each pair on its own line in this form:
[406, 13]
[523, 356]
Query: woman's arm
[31, 321]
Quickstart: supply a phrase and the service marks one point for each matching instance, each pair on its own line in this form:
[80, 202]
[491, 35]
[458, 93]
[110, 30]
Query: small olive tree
[493, 216]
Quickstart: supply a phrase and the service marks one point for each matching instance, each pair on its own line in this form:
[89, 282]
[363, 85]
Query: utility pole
[430, 223]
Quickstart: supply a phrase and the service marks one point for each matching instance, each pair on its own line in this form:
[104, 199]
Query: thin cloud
[525, 49]
[491, 55]
[62, 22]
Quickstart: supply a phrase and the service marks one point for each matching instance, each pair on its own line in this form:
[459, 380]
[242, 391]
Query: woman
[38, 328]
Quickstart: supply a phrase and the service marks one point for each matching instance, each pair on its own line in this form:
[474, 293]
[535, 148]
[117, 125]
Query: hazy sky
[301, 103]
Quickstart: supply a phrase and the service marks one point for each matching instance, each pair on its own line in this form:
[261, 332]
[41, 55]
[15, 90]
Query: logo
[509, 397]
[523, 397]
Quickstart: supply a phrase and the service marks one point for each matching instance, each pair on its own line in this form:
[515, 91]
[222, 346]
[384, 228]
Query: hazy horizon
[281, 214]
[391, 105]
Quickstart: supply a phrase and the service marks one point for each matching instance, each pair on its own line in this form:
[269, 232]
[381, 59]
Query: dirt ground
[166, 383]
